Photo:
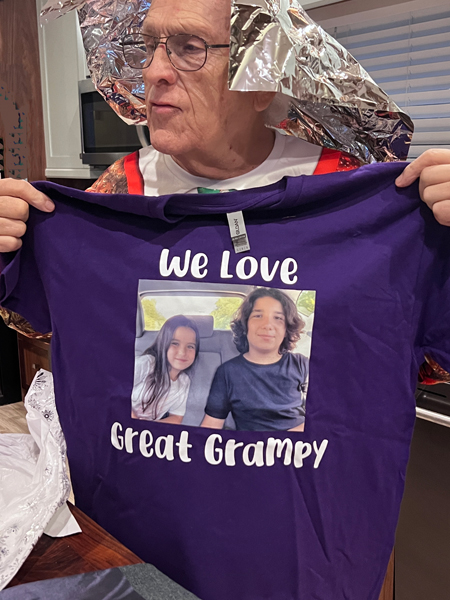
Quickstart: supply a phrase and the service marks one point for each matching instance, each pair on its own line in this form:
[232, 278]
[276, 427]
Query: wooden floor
[12, 418]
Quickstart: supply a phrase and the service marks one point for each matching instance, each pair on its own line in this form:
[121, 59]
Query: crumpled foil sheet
[102, 23]
[324, 96]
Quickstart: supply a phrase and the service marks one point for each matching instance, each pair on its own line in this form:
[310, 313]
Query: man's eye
[188, 44]
[193, 48]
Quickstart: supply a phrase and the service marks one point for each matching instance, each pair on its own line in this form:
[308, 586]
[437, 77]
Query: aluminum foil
[103, 23]
[324, 96]
[55, 8]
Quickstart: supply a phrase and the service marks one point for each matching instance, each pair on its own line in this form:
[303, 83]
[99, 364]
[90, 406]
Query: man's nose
[160, 68]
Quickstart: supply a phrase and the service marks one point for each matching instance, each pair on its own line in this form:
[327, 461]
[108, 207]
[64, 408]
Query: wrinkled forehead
[202, 17]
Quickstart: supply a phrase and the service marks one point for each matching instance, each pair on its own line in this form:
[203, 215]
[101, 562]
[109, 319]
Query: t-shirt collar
[287, 197]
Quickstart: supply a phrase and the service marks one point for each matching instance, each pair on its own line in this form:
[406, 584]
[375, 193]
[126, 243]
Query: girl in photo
[264, 388]
[161, 380]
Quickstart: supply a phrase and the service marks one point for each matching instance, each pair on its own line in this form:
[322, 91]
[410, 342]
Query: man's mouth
[162, 106]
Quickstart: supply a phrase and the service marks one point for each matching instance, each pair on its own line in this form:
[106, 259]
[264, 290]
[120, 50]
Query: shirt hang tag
[238, 232]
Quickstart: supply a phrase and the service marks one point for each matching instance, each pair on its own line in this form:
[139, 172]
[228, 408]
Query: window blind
[408, 55]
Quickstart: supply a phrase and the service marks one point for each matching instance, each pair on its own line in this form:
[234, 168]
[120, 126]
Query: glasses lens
[138, 51]
[187, 52]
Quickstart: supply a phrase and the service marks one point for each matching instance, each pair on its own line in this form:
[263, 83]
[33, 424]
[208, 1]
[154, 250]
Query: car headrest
[205, 324]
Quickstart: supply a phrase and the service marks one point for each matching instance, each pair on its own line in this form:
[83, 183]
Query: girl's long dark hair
[158, 381]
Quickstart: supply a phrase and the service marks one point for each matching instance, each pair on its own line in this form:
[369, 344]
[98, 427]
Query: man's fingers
[434, 185]
[441, 211]
[408, 176]
[23, 190]
[12, 227]
[14, 208]
[435, 174]
[414, 170]
[15, 199]
[9, 244]
[432, 193]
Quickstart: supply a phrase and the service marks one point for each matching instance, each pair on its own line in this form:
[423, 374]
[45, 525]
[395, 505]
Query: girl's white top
[175, 400]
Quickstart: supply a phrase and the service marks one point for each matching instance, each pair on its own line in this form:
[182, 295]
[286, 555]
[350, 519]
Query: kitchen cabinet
[33, 355]
[9, 366]
[423, 533]
[62, 65]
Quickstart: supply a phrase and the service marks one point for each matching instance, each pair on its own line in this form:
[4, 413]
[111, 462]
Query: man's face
[266, 327]
[190, 111]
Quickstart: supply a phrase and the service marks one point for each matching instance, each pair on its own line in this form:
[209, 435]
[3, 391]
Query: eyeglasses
[186, 52]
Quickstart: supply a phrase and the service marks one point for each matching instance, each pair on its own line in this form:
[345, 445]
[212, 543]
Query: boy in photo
[263, 388]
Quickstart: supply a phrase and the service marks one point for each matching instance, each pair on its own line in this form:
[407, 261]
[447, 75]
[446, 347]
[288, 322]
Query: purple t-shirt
[243, 515]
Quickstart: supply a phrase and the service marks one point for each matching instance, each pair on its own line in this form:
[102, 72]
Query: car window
[158, 308]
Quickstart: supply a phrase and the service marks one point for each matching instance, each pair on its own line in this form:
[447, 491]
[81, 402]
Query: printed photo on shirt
[222, 356]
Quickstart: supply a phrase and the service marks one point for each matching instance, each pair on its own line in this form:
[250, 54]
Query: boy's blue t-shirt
[243, 515]
[260, 397]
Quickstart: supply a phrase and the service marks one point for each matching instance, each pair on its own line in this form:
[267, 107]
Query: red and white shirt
[150, 173]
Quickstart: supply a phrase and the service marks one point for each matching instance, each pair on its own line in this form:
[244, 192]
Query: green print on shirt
[202, 190]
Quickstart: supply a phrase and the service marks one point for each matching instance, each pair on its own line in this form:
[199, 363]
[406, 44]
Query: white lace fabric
[34, 481]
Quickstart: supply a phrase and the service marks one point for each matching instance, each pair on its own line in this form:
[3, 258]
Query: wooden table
[92, 550]
[387, 591]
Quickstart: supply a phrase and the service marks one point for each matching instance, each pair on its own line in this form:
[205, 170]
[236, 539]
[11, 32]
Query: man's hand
[433, 168]
[15, 197]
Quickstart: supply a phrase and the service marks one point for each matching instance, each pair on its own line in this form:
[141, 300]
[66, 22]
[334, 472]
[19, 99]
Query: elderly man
[203, 135]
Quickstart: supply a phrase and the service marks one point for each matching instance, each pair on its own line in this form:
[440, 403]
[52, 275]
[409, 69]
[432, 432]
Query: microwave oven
[104, 136]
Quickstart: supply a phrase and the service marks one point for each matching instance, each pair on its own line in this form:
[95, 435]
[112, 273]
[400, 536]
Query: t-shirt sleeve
[112, 181]
[433, 301]
[302, 366]
[218, 404]
[21, 287]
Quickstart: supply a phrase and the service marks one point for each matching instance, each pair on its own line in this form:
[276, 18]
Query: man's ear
[263, 100]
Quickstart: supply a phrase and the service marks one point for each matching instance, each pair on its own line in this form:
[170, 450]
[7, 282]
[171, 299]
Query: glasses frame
[168, 52]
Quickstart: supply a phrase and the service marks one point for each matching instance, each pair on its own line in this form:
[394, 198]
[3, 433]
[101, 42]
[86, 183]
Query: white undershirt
[290, 156]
